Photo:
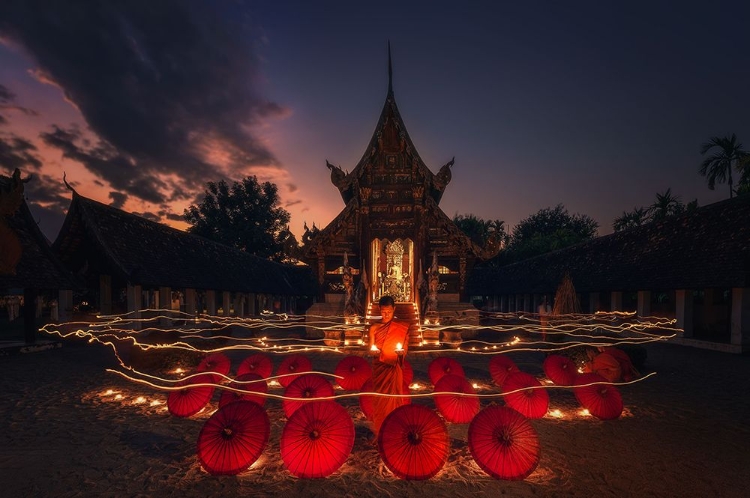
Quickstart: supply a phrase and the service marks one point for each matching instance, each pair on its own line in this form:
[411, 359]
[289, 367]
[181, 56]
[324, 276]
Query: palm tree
[665, 205]
[634, 218]
[718, 167]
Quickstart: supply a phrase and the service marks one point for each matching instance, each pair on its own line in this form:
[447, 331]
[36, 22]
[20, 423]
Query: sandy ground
[685, 432]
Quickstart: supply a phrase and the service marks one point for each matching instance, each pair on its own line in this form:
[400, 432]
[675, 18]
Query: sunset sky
[595, 105]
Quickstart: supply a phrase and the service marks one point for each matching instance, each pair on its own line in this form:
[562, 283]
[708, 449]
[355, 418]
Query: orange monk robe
[387, 373]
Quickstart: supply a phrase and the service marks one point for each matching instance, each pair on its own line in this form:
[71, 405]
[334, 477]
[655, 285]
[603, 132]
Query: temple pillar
[527, 303]
[65, 305]
[29, 315]
[684, 311]
[535, 303]
[226, 302]
[135, 299]
[165, 303]
[644, 303]
[740, 331]
[251, 308]
[211, 302]
[593, 302]
[190, 302]
[105, 294]
[518, 303]
[616, 301]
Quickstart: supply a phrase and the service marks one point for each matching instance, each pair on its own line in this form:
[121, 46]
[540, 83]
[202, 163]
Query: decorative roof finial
[390, 70]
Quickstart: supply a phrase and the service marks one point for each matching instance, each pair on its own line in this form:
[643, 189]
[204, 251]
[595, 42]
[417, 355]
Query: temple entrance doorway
[393, 264]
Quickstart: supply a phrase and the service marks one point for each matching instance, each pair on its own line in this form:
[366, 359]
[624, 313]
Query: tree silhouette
[635, 218]
[548, 230]
[665, 205]
[718, 166]
[245, 216]
[480, 231]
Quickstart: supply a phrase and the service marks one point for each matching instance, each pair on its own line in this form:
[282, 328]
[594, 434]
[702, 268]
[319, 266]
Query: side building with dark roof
[30, 272]
[129, 263]
[694, 268]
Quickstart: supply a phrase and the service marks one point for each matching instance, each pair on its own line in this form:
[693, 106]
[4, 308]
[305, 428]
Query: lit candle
[399, 347]
[373, 348]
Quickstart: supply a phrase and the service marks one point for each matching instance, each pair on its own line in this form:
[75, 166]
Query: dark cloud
[48, 200]
[292, 203]
[175, 217]
[118, 199]
[106, 161]
[160, 83]
[292, 187]
[17, 152]
[6, 105]
[149, 216]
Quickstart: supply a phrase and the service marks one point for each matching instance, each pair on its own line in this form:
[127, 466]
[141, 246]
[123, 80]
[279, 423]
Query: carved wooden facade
[392, 208]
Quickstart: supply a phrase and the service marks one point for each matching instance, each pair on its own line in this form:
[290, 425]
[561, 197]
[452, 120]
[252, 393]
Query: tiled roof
[147, 253]
[38, 267]
[709, 247]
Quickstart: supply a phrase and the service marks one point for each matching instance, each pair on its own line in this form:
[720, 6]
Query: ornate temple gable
[442, 228]
[390, 152]
[339, 232]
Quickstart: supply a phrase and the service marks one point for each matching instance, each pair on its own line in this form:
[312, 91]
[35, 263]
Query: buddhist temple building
[693, 268]
[34, 284]
[129, 263]
[391, 229]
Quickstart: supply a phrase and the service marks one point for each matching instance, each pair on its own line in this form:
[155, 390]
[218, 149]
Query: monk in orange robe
[387, 365]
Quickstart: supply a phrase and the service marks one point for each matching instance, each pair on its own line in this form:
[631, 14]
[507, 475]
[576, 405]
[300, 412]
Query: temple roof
[709, 247]
[390, 118]
[38, 267]
[151, 254]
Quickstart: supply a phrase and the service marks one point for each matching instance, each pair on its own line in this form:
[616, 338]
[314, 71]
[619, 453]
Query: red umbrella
[500, 367]
[233, 438]
[503, 443]
[408, 372]
[456, 408]
[249, 383]
[442, 366]
[258, 363]
[532, 401]
[215, 362]
[305, 386]
[355, 371]
[560, 369]
[293, 364]
[190, 400]
[601, 400]
[317, 439]
[413, 442]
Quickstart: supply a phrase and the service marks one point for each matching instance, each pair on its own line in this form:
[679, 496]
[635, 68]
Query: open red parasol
[250, 383]
[603, 401]
[408, 372]
[258, 364]
[291, 365]
[441, 366]
[305, 386]
[317, 439]
[460, 406]
[413, 442]
[215, 362]
[532, 401]
[233, 438]
[355, 371]
[190, 400]
[560, 369]
[503, 443]
[500, 367]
